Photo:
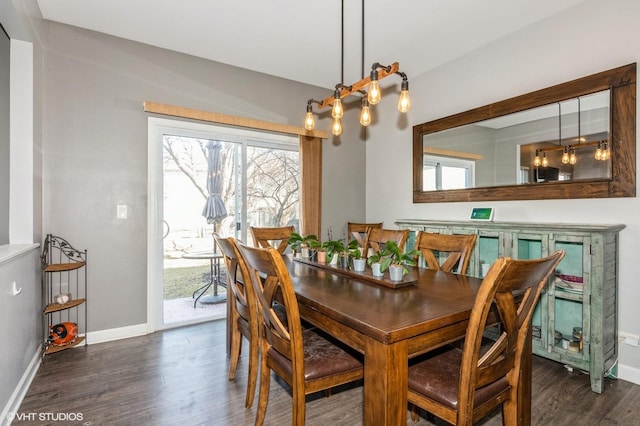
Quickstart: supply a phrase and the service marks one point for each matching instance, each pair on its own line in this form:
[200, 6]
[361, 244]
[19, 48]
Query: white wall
[593, 36]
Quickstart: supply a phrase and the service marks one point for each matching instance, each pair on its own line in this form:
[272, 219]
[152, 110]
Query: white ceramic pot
[359, 264]
[334, 259]
[375, 269]
[396, 272]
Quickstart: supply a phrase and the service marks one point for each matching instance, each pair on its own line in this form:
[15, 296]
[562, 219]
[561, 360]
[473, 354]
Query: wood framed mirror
[487, 158]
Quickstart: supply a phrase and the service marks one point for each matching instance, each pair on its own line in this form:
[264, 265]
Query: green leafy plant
[296, 241]
[383, 257]
[338, 246]
[400, 258]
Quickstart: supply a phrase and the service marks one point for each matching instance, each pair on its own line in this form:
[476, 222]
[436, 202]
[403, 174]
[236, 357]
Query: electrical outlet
[632, 340]
[629, 339]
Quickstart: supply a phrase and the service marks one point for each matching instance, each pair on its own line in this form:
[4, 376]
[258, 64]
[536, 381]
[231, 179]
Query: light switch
[121, 211]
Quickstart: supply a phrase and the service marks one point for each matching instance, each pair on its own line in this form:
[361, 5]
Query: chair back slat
[272, 285]
[456, 248]
[360, 232]
[378, 237]
[277, 237]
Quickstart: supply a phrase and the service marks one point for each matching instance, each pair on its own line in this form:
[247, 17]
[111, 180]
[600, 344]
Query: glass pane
[429, 178]
[454, 177]
[273, 187]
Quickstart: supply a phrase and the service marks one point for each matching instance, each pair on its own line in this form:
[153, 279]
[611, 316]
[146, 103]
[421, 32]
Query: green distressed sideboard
[580, 300]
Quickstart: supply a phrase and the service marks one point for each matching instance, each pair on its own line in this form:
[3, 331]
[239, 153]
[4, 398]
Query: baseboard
[13, 405]
[629, 374]
[116, 334]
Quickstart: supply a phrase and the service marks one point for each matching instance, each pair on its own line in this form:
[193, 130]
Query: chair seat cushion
[322, 357]
[437, 378]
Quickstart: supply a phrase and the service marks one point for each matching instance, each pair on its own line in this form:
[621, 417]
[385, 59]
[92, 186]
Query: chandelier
[602, 152]
[372, 97]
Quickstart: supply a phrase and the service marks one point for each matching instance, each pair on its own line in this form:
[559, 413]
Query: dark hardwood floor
[179, 377]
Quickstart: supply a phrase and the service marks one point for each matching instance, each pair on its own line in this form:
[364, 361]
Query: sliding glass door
[210, 179]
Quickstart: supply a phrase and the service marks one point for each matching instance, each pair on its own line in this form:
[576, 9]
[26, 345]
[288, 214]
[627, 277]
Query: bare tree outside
[273, 178]
[273, 189]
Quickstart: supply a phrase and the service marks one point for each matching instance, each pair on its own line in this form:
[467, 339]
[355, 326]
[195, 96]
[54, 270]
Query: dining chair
[378, 237]
[360, 232]
[243, 315]
[277, 237]
[304, 358]
[456, 248]
[462, 385]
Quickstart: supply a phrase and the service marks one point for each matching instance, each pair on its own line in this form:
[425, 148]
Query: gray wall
[552, 51]
[95, 150]
[21, 314]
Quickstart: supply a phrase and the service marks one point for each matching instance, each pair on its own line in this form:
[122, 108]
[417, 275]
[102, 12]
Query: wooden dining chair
[277, 237]
[462, 385]
[243, 315]
[445, 252]
[378, 237]
[304, 358]
[360, 232]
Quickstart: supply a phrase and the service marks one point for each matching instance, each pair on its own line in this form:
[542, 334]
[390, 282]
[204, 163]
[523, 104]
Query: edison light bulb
[365, 114]
[545, 162]
[404, 103]
[336, 127]
[606, 153]
[565, 156]
[309, 123]
[572, 157]
[374, 92]
[337, 111]
[536, 160]
[598, 155]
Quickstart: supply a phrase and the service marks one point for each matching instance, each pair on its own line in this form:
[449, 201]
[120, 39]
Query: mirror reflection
[562, 141]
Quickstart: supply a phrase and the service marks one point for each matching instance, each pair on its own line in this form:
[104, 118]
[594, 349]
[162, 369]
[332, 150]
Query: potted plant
[337, 248]
[358, 261]
[379, 261]
[302, 244]
[399, 260]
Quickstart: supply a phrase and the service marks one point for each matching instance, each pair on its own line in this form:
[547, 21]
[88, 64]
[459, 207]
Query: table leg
[215, 281]
[385, 383]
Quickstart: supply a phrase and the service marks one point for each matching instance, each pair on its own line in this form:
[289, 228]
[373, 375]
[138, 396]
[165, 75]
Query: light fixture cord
[342, 43]
[579, 141]
[560, 123]
[362, 48]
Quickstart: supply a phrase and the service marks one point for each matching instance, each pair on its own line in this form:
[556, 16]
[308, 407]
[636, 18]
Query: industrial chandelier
[372, 97]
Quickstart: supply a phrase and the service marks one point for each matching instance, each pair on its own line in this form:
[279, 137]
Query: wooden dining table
[390, 325]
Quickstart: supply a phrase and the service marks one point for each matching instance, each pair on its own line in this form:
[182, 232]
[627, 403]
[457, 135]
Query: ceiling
[300, 40]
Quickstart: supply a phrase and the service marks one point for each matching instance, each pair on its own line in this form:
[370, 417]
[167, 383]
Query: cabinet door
[568, 296]
[491, 244]
[527, 245]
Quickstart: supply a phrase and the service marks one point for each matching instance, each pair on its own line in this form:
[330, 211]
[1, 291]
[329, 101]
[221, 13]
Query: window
[447, 173]
[258, 178]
